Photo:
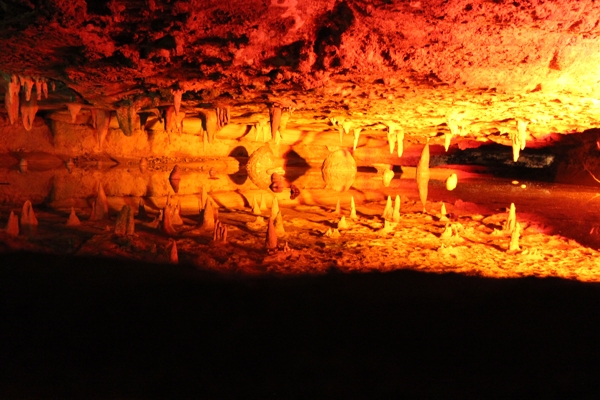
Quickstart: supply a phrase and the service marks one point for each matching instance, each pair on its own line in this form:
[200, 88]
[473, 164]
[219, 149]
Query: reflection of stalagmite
[396, 214]
[514, 238]
[12, 227]
[388, 211]
[173, 256]
[100, 207]
[278, 224]
[27, 84]
[395, 135]
[512, 218]
[175, 178]
[519, 139]
[423, 175]
[274, 208]
[220, 233]
[125, 225]
[271, 240]
[23, 165]
[346, 126]
[73, 219]
[101, 123]
[356, 137]
[338, 208]
[74, 109]
[275, 115]
[342, 224]
[451, 182]
[352, 208]
[443, 213]
[388, 175]
[447, 139]
[28, 218]
[339, 170]
[11, 98]
[28, 110]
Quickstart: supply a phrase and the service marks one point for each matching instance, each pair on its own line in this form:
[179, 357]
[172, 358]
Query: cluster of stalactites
[18, 97]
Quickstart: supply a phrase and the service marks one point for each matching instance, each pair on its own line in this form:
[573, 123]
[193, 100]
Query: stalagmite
[396, 214]
[203, 198]
[443, 213]
[28, 110]
[165, 224]
[275, 115]
[142, 215]
[271, 240]
[73, 219]
[423, 175]
[45, 88]
[352, 208]
[512, 218]
[278, 224]
[338, 208]
[208, 217]
[388, 175]
[342, 224]
[12, 227]
[451, 182]
[274, 208]
[176, 214]
[101, 123]
[74, 109]
[263, 202]
[255, 207]
[100, 208]
[173, 256]
[28, 218]
[447, 234]
[388, 212]
[514, 238]
[11, 98]
[333, 233]
[125, 224]
[356, 137]
[220, 233]
[175, 178]
[387, 227]
[177, 99]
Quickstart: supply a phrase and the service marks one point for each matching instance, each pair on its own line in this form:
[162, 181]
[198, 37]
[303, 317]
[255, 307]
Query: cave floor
[559, 225]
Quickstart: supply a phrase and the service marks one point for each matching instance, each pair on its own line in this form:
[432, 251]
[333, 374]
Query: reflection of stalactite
[101, 123]
[222, 117]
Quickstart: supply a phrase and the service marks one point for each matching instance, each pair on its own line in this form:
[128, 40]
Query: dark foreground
[92, 328]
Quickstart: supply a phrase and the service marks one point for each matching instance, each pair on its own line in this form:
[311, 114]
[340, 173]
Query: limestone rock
[73, 219]
[28, 219]
[125, 224]
[12, 226]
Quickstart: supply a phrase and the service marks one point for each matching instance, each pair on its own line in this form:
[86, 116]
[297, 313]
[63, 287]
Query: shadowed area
[86, 327]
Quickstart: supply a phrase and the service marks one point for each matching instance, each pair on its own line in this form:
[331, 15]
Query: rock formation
[207, 216]
[28, 219]
[125, 224]
[12, 226]
[220, 233]
[396, 214]
[175, 178]
[342, 224]
[514, 238]
[173, 254]
[73, 219]
[271, 239]
[388, 211]
[451, 182]
[509, 226]
[352, 209]
[100, 205]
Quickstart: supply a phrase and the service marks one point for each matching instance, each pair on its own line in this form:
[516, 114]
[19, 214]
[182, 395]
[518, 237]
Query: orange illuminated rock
[514, 238]
[12, 226]
[352, 209]
[338, 208]
[396, 214]
[258, 164]
[101, 123]
[207, 217]
[509, 226]
[271, 240]
[274, 208]
[255, 207]
[388, 211]
[74, 109]
[278, 223]
[165, 225]
[28, 110]
[275, 115]
[73, 219]
[176, 214]
[11, 98]
[173, 255]
[423, 175]
[388, 175]
[342, 224]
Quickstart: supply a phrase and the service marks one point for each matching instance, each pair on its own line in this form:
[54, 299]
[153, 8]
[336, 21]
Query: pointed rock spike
[352, 208]
[12, 226]
[73, 219]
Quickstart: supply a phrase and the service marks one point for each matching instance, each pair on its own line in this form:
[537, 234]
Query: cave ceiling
[466, 67]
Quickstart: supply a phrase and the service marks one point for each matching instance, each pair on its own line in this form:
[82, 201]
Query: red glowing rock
[28, 218]
[12, 227]
[73, 219]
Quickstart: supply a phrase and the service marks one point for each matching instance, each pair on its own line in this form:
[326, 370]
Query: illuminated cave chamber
[111, 96]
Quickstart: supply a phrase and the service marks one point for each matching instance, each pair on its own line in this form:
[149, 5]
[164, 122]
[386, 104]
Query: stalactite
[11, 98]
[223, 117]
[74, 109]
[101, 123]
[177, 99]
[127, 118]
[275, 115]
